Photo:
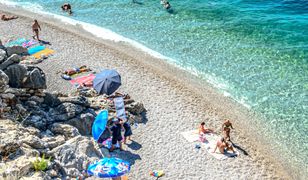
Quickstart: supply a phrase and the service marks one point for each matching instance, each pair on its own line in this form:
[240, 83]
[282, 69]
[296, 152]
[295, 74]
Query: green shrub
[41, 164]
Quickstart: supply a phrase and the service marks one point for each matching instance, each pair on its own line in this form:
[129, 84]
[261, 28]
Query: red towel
[84, 80]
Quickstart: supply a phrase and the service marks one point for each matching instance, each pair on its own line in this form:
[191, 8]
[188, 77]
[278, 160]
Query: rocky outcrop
[16, 50]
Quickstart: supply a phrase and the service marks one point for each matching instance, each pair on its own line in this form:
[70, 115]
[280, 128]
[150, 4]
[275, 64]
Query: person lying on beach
[203, 130]
[226, 128]
[67, 7]
[115, 130]
[35, 28]
[7, 18]
[223, 146]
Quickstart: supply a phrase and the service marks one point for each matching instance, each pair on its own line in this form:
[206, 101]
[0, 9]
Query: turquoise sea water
[254, 51]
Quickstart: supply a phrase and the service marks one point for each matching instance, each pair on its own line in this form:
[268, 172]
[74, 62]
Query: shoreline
[212, 102]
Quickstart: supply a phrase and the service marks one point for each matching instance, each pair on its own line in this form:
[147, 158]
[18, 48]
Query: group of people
[224, 144]
[116, 132]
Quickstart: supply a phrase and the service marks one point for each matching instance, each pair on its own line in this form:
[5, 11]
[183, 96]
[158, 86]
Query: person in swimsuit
[128, 131]
[223, 146]
[167, 5]
[203, 130]
[115, 130]
[35, 28]
[67, 7]
[7, 18]
[226, 128]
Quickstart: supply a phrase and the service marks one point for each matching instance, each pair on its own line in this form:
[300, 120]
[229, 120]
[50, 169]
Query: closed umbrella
[107, 81]
[99, 124]
[109, 168]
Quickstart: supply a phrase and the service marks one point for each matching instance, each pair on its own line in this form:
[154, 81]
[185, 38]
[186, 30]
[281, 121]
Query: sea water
[254, 51]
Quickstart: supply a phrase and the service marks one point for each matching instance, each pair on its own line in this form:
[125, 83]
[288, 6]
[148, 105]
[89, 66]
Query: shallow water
[253, 51]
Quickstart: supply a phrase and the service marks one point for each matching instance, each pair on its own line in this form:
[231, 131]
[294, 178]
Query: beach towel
[108, 142]
[120, 108]
[45, 52]
[83, 80]
[29, 43]
[17, 42]
[35, 49]
[191, 136]
[210, 145]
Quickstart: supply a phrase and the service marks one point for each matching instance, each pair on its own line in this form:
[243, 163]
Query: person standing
[35, 28]
[226, 128]
[128, 131]
[115, 130]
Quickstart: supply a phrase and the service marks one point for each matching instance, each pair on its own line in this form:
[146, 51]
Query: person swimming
[67, 7]
[167, 5]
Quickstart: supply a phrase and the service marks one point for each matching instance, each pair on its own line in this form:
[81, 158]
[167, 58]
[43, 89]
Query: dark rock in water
[64, 129]
[14, 59]
[4, 81]
[83, 123]
[16, 50]
[16, 74]
[74, 155]
[65, 111]
[35, 78]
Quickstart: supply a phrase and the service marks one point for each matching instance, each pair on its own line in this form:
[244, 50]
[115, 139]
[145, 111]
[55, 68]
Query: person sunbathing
[7, 18]
[203, 130]
[76, 70]
[224, 146]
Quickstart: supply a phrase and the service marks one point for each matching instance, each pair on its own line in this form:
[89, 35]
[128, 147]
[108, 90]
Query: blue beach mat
[17, 42]
[36, 49]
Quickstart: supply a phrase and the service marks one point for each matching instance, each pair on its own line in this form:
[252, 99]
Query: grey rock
[36, 99]
[16, 50]
[4, 81]
[53, 142]
[36, 78]
[16, 74]
[36, 121]
[2, 55]
[80, 100]
[74, 155]
[83, 123]
[8, 96]
[65, 111]
[64, 129]
[52, 100]
[14, 59]
[21, 109]
[31, 104]
[35, 142]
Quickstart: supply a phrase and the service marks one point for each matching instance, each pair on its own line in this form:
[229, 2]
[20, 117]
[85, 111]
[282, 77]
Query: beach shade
[99, 124]
[107, 81]
[109, 168]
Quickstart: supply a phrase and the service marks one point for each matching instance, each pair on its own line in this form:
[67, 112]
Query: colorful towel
[120, 108]
[45, 52]
[83, 80]
[35, 49]
[17, 42]
[107, 143]
[29, 43]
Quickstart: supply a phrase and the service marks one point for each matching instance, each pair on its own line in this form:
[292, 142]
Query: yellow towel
[45, 52]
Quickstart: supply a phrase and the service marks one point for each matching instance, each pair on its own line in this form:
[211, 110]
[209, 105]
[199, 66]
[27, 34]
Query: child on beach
[115, 130]
[202, 130]
[35, 28]
[226, 128]
[128, 131]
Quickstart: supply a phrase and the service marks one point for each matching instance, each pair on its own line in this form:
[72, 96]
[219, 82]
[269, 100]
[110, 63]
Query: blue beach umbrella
[107, 81]
[99, 124]
[109, 168]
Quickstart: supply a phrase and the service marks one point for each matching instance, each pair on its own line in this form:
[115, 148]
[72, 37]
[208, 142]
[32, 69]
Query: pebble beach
[175, 102]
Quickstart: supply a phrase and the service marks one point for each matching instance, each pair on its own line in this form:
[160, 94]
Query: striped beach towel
[83, 80]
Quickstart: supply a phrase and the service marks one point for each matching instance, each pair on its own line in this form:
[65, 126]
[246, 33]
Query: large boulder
[9, 138]
[66, 130]
[36, 121]
[83, 123]
[14, 59]
[4, 81]
[65, 111]
[36, 78]
[16, 50]
[16, 74]
[75, 155]
[51, 99]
